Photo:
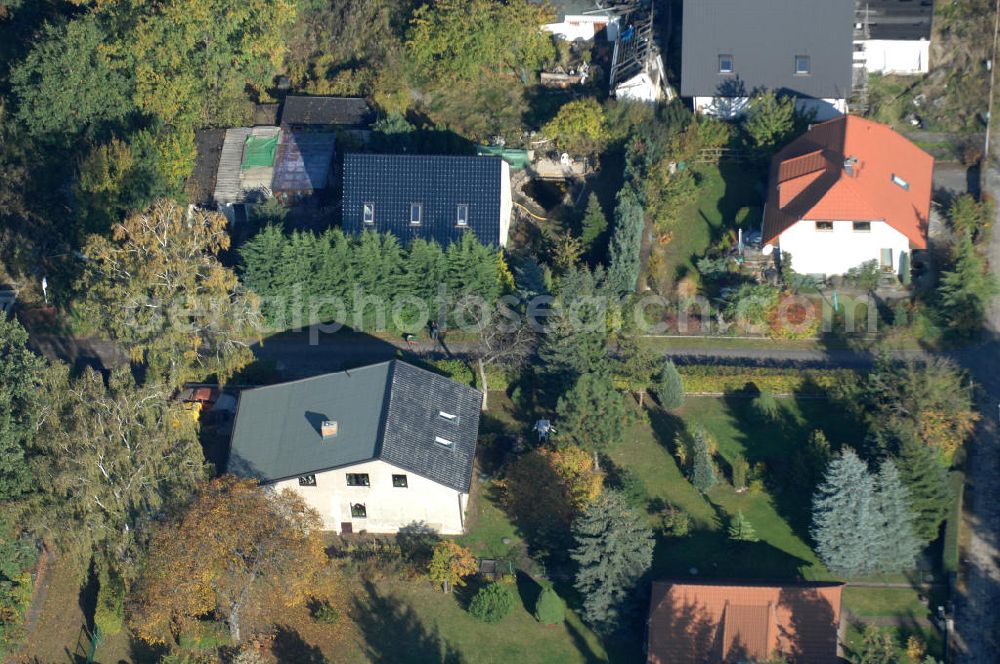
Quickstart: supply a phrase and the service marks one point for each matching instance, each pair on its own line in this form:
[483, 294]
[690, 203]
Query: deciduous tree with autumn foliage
[157, 288]
[450, 564]
[238, 551]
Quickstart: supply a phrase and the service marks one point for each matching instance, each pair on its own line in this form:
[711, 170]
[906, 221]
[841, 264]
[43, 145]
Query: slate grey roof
[906, 20]
[326, 111]
[388, 411]
[763, 38]
[438, 183]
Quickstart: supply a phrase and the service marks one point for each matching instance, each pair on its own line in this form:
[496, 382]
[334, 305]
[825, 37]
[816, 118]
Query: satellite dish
[767, 250]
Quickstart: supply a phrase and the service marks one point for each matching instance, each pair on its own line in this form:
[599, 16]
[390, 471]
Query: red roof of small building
[724, 622]
[851, 169]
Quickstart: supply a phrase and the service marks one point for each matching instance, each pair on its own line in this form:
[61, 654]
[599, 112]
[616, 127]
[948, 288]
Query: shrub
[550, 609]
[493, 602]
[326, 614]
[719, 379]
[675, 522]
[109, 614]
[766, 406]
[740, 468]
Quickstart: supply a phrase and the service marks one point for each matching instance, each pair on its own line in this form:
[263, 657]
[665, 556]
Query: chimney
[328, 429]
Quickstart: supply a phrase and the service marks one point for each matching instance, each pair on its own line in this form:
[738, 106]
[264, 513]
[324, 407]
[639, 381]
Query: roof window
[416, 213]
[444, 442]
[448, 417]
[462, 214]
[803, 64]
[368, 213]
[900, 182]
[725, 64]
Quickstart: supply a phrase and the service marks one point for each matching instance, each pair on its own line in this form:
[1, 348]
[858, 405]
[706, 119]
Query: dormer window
[900, 182]
[725, 64]
[444, 442]
[368, 213]
[416, 213]
[462, 215]
[447, 417]
[803, 65]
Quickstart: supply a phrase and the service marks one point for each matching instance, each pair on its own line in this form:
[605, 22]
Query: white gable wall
[388, 508]
[506, 202]
[729, 108]
[584, 26]
[837, 251]
[894, 56]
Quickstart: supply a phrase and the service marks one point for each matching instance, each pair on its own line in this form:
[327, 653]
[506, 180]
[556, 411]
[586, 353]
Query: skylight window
[900, 182]
[725, 64]
[368, 213]
[448, 417]
[462, 215]
[444, 442]
[803, 64]
[416, 213]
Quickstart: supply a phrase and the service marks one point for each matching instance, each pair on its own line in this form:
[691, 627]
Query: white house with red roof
[846, 192]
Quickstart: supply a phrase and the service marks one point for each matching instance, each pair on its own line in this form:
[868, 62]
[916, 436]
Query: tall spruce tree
[845, 522]
[626, 242]
[967, 289]
[898, 546]
[703, 475]
[926, 482]
[614, 548]
[669, 387]
[591, 414]
[593, 227]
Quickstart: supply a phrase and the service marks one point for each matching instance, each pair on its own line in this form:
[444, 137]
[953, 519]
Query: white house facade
[378, 497]
[730, 108]
[893, 36]
[894, 56]
[834, 247]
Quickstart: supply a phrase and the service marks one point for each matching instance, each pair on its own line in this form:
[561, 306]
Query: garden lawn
[729, 196]
[781, 522]
[413, 622]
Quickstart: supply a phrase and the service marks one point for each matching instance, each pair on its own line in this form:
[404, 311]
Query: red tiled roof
[809, 180]
[719, 623]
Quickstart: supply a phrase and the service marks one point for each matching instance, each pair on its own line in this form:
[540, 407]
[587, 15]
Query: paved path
[977, 617]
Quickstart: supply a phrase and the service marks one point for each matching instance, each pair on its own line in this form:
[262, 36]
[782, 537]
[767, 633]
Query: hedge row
[952, 527]
[468, 374]
[712, 378]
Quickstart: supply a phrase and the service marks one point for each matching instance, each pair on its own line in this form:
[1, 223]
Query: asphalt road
[978, 604]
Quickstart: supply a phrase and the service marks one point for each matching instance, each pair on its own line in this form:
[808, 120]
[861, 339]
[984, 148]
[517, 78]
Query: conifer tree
[614, 548]
[741, 530]
[591, 414]
[626, 243]
[897, 546]
[967, 289]
[703, 475]
[593, 227]
[926, 482]
[844, 519]
[669, 386]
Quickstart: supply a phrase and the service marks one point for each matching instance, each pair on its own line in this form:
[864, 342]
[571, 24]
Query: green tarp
[259, 151]
[513, 156]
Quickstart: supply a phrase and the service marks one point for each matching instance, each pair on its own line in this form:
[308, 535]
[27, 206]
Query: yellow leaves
[450, 564]
[582, 482]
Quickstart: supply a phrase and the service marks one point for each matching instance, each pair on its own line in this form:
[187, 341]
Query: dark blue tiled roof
[439, 183]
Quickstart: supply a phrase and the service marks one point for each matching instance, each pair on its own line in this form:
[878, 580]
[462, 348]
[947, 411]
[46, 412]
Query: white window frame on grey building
[368, 213]
[416, 219]
[462, 214]
[803, 65]
[724, 68]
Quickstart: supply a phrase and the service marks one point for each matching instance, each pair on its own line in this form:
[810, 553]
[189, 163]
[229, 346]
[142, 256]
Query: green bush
[675, 522]
[109, 613]
[493, 602]
[550, 609]
[326, 614]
